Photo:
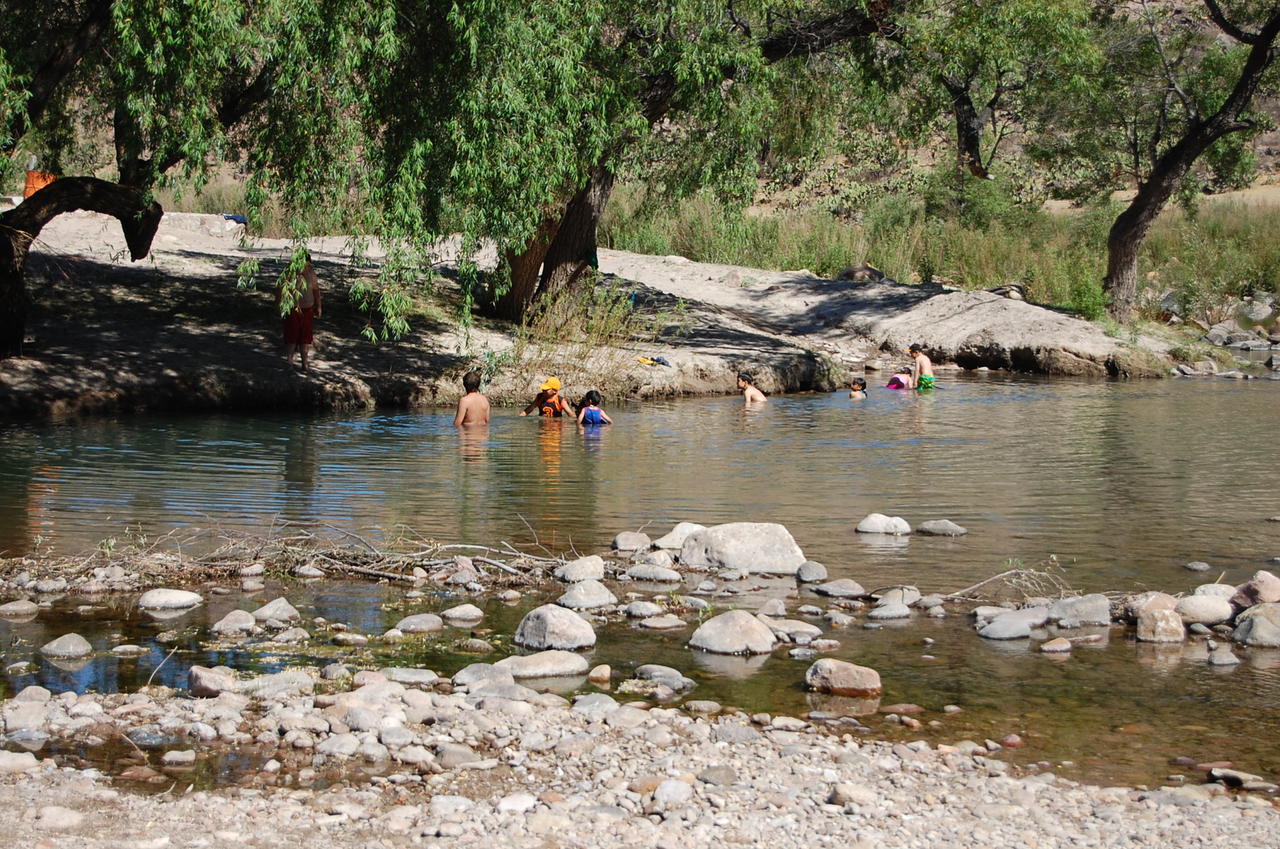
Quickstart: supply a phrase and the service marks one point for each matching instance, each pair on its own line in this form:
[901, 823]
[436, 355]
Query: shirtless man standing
[750, 395]
[473, 408]
[921, 367]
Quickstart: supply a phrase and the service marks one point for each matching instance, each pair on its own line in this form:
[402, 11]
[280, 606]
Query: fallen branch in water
[963, 594]
[503, 566]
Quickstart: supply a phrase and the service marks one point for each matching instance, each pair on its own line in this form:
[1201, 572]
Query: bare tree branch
[1219, 18]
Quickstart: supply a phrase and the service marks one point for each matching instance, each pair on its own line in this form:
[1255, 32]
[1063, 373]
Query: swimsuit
[552, 407]
[298, 326]
[591, 416]
[925, 381]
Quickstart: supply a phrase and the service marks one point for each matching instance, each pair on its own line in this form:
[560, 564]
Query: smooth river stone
[1259, 626]
[67, 646]
[1014, 625]
[842, 678]
[811, 572]
[587, 595]
[1225, 591]
[1204, 609]
[631, 541]
[1262, 588]
[1078, 611]
[463, 613]
[653, 574]
[666, 622]
[235, 622]
[20, 609]
[756, 547]
[942, 528]
[643, 609]
[1160, 626]
[735, 632]
[420, 623]
[841, 588]
[674, 539]
[544, 664]
[167, 599]
[278, 609]
[589, 568]
[878, 523]
[554, 627]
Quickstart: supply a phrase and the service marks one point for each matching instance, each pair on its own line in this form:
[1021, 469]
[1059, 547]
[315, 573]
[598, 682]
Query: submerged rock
[554, 627]
[757, 547]
[842, 678]
[841, 588]
[878, 523]
[420, 623]
[67, 646]
[587, 595]
[941, 528]
[278, 609]
[20, 609]
[167, 599]
[589, 568]
[1015, 624]
[735, 632]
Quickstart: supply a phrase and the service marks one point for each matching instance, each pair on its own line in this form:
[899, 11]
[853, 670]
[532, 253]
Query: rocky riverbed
[541, 746]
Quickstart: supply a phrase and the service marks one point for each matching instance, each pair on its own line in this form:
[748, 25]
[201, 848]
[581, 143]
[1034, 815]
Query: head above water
[471, 380]
[858, 385]
[552, 383]
[592, 399]
[745, 379]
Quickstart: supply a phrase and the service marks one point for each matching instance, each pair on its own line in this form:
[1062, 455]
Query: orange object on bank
[37, 180]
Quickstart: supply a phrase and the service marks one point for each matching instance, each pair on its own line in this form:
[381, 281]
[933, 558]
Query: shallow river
[1119, 483]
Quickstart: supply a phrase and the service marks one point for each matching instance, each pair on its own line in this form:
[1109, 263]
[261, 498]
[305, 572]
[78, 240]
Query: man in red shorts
[303, 290]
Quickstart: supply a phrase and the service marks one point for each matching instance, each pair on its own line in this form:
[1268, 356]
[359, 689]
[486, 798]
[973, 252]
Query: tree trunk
[22, 225]
[573, 250]
[968, 128]
[1130, 228]
[522, 274]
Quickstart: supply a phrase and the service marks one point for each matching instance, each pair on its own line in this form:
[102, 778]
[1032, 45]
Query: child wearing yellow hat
[548, 402]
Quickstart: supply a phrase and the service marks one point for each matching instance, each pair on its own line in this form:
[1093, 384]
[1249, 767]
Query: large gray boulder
[1259, 626]
[589, 568]
[842, 678]
[760, 547]
[1082, 610]
[674, 540]
[735, 632]
[1204, 610]
[545, 664]
[554, 627]
[167, 599]
[878, 523]
[587, 595]
[1160, 625]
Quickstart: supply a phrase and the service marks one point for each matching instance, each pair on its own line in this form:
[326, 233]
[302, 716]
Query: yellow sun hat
[552, 383]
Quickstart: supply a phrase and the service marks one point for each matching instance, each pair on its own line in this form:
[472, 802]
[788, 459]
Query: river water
[1115, 485]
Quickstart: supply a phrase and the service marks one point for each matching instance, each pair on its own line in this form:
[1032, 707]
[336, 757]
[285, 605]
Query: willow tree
[1172, 113]
[168, 83]
[507, 122]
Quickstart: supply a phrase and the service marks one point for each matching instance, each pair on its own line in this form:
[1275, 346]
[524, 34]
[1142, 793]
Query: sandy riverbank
[174, 333]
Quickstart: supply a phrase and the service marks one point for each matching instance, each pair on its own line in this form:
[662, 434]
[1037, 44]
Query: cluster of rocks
[481, 757]
[1247, 614]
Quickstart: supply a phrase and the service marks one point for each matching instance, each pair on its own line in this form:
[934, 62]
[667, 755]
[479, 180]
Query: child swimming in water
[857, 388]
[590, 412]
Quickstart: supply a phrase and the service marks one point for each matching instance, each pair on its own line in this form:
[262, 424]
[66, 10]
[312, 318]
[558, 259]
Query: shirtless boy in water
[750, 395]
[921, 368]
[473, 408]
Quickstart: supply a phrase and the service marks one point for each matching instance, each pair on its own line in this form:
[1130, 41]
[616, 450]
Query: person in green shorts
[921, 368]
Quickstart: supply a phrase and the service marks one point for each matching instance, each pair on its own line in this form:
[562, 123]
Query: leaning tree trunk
[1130, 228]
[968, 128]
[573, 249]
[522, 274]
[21, 225]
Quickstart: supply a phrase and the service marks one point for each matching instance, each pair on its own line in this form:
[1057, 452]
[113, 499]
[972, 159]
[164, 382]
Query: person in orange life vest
[548, 402]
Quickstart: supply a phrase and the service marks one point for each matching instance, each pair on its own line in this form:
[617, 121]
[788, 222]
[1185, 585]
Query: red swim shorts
[297, 326]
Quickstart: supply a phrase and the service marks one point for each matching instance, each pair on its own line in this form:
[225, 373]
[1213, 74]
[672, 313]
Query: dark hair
[745, 378]
[916, 348]
[471, 380]
[591, 399]
[858, 383]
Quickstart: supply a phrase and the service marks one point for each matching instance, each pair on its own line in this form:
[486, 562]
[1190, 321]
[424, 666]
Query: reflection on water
[1124, 482]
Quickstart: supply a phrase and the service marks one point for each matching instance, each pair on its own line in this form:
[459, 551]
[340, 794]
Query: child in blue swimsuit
[590, 413]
